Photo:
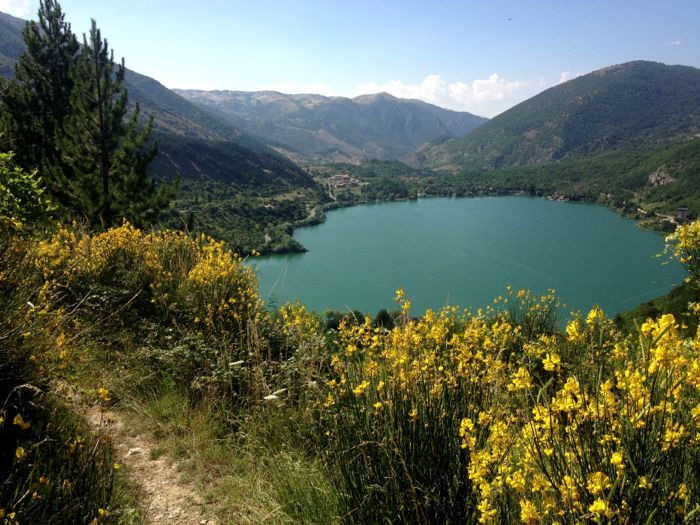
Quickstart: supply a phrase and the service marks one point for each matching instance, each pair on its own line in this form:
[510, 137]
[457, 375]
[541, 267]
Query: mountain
[628, 106]
[318, 129]
[192, 142]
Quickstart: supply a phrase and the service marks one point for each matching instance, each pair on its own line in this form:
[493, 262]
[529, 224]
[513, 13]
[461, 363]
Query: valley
[300, 279]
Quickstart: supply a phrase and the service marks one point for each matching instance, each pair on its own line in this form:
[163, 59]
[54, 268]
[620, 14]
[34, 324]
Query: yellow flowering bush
[458, 417]
[684, 243]
[42, 478]
[165, 274]
[402, 403]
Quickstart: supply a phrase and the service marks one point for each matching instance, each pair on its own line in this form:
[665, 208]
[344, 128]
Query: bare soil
[168, 498]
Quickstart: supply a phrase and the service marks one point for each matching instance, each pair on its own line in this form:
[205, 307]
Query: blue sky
[482, 57]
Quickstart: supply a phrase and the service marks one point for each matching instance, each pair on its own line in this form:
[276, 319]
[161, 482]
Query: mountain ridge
[312, 128]
[214, 147]
[639, 103]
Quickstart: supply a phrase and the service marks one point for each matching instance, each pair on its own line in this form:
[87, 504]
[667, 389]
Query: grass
[251, 469]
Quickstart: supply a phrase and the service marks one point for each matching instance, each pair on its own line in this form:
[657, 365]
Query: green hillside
[637, 104]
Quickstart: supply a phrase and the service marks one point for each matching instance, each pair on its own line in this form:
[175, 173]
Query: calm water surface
[465, 251]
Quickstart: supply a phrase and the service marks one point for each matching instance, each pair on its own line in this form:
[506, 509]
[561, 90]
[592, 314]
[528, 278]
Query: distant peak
[374, 97]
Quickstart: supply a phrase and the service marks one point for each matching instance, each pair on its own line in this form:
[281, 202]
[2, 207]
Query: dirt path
[168, 500]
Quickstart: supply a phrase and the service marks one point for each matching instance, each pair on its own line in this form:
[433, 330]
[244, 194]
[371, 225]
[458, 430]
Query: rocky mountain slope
[319, 129]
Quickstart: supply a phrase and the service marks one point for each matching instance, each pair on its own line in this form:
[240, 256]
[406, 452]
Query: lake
[465, 251]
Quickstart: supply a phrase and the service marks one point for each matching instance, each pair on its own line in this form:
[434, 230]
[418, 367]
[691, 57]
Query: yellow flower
[528, 512]
[682, 492]
[597, 483]
[617, 461]
[644, 483]
[573, 331]
[360, 389]
[552, 362]
[378, 406]
[43, 480]
[595, 315]
[117, 466]
[600, 508]
[20, 422]
[413, 414]
[103, 393]
[521, 380]
[20, 453]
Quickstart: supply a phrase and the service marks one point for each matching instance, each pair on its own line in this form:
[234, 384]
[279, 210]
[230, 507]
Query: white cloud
[565, 76]
[318, 88]
[482, 96]
[675, 43]
[15, 7]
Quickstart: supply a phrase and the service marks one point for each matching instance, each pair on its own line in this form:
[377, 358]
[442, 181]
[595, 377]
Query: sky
[478, 56]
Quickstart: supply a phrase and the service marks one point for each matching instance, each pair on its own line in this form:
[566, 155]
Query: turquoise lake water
[465, 251]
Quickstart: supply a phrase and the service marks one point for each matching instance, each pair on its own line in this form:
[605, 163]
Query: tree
[36, 102]
[106, 148]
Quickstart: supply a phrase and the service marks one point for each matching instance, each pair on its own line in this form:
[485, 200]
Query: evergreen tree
[36, 102]
[106, 147]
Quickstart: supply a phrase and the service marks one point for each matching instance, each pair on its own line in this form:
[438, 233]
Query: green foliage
[66, 115]
[105, 148]
[619, 107]
[23, 204]
[260, 220]
[36, 102]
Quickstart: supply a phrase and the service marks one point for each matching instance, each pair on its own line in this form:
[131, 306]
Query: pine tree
[36, 102]
[107, 148]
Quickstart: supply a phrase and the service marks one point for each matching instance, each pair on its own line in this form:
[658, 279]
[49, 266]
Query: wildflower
[682, 492]
[117, 466]
[595, 315]
[359, 389]
[378, 406]
[644, 483]
[20, 453]
[19, 421]
[600, 508]
[43, 480]
[597, 483]
[103, 394]
[573, 331]
[528, 512]
[617, 461]
[672, 437]
[413, 414]
[552, 362]
[522, 380]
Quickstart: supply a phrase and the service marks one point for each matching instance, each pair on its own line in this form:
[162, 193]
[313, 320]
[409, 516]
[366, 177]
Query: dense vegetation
[624, 106]
[65, 114]
[495, 416]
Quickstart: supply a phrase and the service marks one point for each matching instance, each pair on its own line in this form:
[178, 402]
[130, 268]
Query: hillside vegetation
[624, 106]
[493, 416]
